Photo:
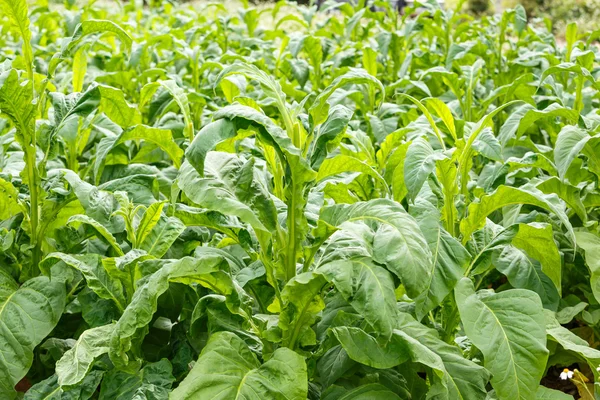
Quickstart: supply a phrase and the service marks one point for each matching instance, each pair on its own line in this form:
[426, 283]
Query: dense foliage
[343, 204]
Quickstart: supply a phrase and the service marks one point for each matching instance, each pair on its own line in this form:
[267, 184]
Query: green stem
[33, 178]
[578, 106]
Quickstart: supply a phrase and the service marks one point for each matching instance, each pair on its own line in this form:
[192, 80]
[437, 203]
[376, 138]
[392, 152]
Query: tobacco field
[225, 201]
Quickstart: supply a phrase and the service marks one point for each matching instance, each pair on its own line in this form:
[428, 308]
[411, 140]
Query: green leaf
[92, 26]
[302, 303]
[100, 230]
[333, 365]
[320, 107]
[27, 316]
[178, 95]
[369, 288]
[399, 245]
[506, 196]
[569, 194]
[544, 393]
[74, 104]
[366, 349]
[218, 191]
[526, 116]
[97, 278]
[149, 220]
[520, 18]
[16, 99]
[162, 236]
[371, 391]
[75, 364]
[346, 164]
[569, 145]
[160, 137]
[228, 369]
[114, 105]
[18, 14]
[570, 341]
[49, 389]
[537, 241]
[464, 379]
[590, 243]
[524, 273]
[509, 329]
[151, 382]
[9, 196]
[418, 165]
[205, 271]
[441, 109]
[335, 125]
[450, 259]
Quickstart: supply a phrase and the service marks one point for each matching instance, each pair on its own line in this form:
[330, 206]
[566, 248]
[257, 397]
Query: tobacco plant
[287, 202]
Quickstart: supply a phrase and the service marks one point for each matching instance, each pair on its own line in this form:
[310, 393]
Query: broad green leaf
[8, 200]
[328, 132]
[366, 349]
[569, 67]
[399, 245]
[520, 18]
[49, 389]
[75, 104]
[509, 329]
[178, 95]
[162, 236]
[441, 110]
[17, 12]
[333, 365]
[149, 220]
[569, 194]
[449, 256]
[505, 196]
[590, 243]
[7, 285]
[569, 145]
[570, 341]
[369, 288]
[205, 271]
[418, 165]
[92, 26]
[525, 116]
[227, 369]
[117, 108]
[98, 204]
[217, 191]
[16, 99]
[160, 137]
[75, 364]
[464, 379]
[27, 316]
[537, 241]
[544, 393]
[154, 381]
[302, 303]
[525, 273]
[100, 230]
[346, 164]
[97, 278]
[371, 391]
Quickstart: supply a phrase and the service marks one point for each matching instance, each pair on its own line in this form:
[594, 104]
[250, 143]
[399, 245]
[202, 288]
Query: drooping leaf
[509, 329]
